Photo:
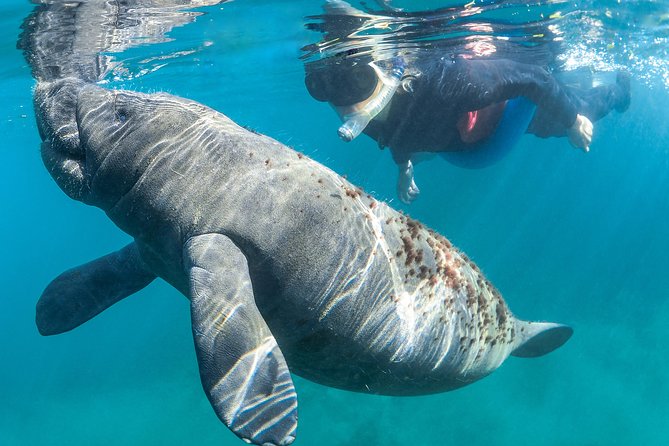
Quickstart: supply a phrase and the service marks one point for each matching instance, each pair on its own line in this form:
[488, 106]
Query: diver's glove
[406, 186]
[580, 134]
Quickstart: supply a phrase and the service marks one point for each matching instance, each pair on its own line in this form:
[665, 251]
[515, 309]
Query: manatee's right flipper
[242, 368]
[81, 293]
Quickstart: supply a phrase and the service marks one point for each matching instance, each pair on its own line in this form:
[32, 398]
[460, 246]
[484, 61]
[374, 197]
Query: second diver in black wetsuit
[456, 105]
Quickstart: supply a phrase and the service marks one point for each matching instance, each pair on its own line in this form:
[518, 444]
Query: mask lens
[317, 85]
[342, 85]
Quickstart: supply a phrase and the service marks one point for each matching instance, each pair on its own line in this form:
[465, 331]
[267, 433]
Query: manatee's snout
[63, 155]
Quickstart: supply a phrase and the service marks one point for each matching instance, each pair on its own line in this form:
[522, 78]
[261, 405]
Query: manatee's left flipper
[81, 293]
[242, 368]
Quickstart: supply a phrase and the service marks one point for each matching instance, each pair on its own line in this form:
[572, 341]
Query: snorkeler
[458, 106]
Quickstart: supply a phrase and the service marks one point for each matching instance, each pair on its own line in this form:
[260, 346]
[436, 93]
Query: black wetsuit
[425, 119]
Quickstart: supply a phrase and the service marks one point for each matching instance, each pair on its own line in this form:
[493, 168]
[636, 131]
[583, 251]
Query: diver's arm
[579, 134]
[484, 82]
[407, 190]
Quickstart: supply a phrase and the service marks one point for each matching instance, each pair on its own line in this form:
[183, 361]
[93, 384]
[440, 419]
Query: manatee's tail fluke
[81, 293]
[539, 338]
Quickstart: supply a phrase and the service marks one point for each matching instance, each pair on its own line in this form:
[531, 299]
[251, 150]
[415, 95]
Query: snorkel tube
[355, 122]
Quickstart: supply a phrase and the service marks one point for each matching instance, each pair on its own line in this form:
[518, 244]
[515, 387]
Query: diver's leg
[623, 82]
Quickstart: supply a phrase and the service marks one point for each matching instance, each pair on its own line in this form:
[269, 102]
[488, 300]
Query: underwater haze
[579, 238]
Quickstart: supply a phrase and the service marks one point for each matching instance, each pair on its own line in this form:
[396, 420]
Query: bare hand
[580, 134]
[406, 186]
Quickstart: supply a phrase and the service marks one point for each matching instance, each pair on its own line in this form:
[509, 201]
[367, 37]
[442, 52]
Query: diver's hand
[580, 134]
[406, 186]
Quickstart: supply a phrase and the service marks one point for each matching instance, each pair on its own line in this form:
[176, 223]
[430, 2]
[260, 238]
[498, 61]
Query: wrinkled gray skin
[284, 261]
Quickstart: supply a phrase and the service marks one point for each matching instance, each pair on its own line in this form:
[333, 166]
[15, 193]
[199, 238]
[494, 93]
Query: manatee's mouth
[67, 171]
[62, 152]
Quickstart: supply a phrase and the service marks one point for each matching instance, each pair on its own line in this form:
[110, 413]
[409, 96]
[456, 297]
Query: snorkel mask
[357, 92]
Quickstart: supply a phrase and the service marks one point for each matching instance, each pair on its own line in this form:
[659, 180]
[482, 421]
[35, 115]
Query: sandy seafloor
[566, 236]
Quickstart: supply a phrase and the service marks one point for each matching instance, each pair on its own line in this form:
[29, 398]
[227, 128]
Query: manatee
[288, 267]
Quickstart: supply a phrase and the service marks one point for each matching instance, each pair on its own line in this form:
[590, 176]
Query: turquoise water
[566, 236]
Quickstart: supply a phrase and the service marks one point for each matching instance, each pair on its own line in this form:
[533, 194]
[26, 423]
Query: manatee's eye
[121, 116]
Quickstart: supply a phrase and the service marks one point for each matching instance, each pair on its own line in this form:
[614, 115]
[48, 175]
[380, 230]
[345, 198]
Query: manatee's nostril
[119, 112]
